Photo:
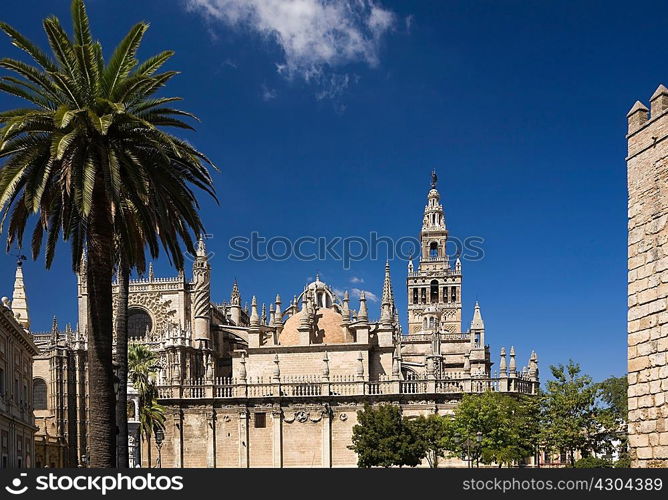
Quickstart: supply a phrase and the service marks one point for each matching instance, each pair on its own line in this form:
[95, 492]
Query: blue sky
[327, 121]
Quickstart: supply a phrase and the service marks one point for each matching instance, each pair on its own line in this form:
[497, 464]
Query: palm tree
[141, 371]
[89, 158]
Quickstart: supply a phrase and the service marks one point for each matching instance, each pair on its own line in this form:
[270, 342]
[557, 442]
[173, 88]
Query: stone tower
[435, 283]
[647, 164]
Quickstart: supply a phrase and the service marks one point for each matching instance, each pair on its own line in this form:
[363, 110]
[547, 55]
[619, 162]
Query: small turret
[345, 310]
[513, 363]
[362, 314]
[235, 304]
[503, 369]
[659, 101]
[278, 314]
[637, 117]
[254, 318]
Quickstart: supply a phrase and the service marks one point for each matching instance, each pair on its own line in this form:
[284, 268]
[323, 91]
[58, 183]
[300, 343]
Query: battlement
[645, 128]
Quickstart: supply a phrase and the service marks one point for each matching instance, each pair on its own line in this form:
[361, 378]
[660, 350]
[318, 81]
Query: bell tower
[435, 283]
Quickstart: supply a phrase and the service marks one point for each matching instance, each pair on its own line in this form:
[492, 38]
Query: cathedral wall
[298, 362]
[260, 438]
[195, 438]
[380, 364]
[343, 421]
[302, 443]
[228, 439]
[648, 282]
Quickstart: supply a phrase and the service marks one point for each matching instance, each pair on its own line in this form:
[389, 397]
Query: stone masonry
[647, 164]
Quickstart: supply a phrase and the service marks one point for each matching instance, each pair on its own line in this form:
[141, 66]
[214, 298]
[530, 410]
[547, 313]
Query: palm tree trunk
[123, 275]
[148, 450]
[102, 400]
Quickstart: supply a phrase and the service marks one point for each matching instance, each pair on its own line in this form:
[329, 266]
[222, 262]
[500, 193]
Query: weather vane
[434, 179]
[19, 258]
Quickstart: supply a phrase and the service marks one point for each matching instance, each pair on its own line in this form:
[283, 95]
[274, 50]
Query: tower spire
[19, 300]
[387, 302]
[477, 323]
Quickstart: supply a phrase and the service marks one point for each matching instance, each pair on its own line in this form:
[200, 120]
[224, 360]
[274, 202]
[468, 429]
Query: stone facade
[17, 425]
[281, 386]
[647, 164]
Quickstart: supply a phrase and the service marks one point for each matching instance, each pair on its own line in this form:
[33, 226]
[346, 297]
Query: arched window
[433, 291]
[39, 394]
[139, 321]
[433, 250]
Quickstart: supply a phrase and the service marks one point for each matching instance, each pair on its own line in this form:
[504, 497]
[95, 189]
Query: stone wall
[268, 434]
[647, 164]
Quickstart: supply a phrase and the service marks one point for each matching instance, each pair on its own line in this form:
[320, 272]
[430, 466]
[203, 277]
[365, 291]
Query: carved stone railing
[344, 385]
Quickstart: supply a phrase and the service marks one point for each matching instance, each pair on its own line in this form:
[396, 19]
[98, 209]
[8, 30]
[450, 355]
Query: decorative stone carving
[301, 416]
[343, 417]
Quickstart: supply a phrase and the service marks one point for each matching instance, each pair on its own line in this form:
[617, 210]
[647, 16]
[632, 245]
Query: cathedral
[247, 387]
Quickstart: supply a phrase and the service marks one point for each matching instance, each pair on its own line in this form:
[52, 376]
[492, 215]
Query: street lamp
[159, 438]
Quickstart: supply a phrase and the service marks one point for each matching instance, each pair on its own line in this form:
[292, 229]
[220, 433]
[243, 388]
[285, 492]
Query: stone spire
[235, 304]
[477, 322]
[362, 314]
[201, 297]
[19, 300]
[272, 315]
[533, 365]
[263, 318]
[151, 272]
[513, 364]
[345, 312]
[254, 318]
[55, 333]
[278, 314]
[503, 369]
[235, 296]
[411, 268]
[387, 302]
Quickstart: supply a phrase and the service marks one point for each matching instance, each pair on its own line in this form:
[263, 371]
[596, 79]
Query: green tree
[381, 438]
[433, 434]
[89, 160]
[141, 372]
[613, 393]
[496, 428]
[571, 418]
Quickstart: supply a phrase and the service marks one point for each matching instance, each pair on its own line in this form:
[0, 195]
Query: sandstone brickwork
[647, 164]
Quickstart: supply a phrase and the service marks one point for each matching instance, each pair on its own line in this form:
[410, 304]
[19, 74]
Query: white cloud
[356, 279]
[268, 94]
[369, 295]
[315, 36]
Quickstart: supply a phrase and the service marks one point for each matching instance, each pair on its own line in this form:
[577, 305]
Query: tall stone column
[326, 437]
[211, 438]
[277, 435]
[243, 439]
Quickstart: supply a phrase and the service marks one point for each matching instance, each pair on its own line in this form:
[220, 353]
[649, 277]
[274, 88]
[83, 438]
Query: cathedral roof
[328, 329]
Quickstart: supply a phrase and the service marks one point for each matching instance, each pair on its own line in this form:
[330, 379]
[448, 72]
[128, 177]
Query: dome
[328, 328]
[323, 295]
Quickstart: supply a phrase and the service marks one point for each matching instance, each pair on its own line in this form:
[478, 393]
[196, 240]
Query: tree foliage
[571, 417]
[88, 159]
[496, 428]
[382, 438]
[433, 436]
